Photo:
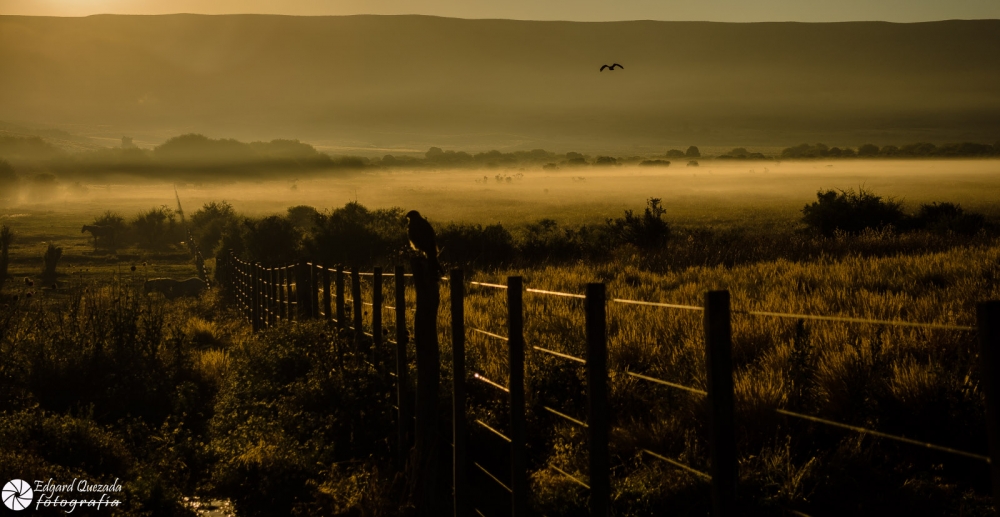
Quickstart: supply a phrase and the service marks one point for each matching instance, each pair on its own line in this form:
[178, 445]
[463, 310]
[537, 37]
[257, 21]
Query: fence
[269, 296]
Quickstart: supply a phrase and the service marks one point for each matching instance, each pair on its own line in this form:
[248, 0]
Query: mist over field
[377, 84]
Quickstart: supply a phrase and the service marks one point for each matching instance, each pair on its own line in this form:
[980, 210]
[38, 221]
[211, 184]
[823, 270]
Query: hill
[399, 82]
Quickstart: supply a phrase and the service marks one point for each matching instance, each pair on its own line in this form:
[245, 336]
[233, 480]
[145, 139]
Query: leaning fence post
[719, 368]
[314, 282]
[598, 417]
[988, 327]
[518, 433]
[376, 314]
[341, 318]
[459, 429]
[302, 287]
[357, 308]
[279, 281]
[327, 296]
[402, 368]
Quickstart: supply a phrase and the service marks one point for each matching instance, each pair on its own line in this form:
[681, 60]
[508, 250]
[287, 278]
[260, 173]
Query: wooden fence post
[598, 410]
[427, 474]
[518, 427]
[988, 328]
[282, 308]
[341, 318]
[719, 368]
[357, 307]
[376, 314]
[327, 295]
[459, 426]
[272, 292]
[314, 282]
[302, 288]
[402, 369]
[255, 296]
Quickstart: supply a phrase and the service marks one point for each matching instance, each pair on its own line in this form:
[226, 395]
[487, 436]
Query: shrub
[116, 222]
[355, 236]
[948, 217]
[468, 244]
[272, 240]
[851, 212]
[692, 152]
[156, 228]
[647, 231]
[208, 223]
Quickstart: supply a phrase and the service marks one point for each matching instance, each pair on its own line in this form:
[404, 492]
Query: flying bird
[612, 67]
[421, 236]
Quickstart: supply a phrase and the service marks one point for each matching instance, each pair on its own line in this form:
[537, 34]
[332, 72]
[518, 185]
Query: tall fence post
[314, 282]
[428, 473]
[719, 367]
[286, 292]
[988, 328]
[598, 410]
[255, 296]
[402, 368]
[272, 291]
[341, 318]
[282, 308]
[302, 288]
[459, 429]
[327, 295]
[518, 427]
[357, 308]
[376, 314]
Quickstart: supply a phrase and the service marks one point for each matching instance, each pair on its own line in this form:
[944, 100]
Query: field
[915, 382]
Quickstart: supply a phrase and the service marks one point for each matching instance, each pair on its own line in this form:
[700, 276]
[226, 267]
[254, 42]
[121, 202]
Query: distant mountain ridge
[417, 81]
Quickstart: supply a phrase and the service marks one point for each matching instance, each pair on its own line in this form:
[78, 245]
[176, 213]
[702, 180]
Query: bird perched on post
[421, 236]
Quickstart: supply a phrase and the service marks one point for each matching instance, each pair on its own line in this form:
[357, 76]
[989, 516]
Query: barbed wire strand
[491, 476]
[560, 354]
[887, 436]
[666, 383]
[567, 417]
[572, 478]
[492, 430]
[481, 378]
[851, 319]
[678, 464]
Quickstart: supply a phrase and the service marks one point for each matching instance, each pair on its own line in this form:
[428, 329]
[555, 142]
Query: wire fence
[269, 296]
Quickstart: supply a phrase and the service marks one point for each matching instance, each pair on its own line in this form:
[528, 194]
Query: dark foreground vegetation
[176, 398]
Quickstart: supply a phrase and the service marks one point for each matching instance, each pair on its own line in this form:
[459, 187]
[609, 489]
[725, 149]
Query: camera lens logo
[17, 494]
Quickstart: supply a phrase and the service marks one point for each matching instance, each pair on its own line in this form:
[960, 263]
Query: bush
[948, 217]
[208, 223]
[851, 212]
[156, 228]
[648, 231]
[355, 236]
[476, 245]
[117, 223]
[272, 240]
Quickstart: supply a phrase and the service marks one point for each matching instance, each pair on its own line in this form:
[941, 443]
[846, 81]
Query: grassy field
[918, 383]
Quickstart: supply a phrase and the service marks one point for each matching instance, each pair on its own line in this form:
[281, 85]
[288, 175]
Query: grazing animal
[421, 236]
[107, 232]
[174, 288]
[612, 67]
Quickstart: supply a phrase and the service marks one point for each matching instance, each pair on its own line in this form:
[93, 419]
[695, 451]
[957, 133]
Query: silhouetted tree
[692, 152]
[851, 211]
[868, 150]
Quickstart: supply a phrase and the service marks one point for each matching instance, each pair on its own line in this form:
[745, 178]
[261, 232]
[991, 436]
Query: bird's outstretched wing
[619, 66]
[605, 66]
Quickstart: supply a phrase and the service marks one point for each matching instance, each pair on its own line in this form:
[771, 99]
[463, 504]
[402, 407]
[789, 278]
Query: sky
[904, 11]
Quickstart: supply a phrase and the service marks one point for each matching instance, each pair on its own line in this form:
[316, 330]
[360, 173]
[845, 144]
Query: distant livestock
[173, 288]
[104, 232]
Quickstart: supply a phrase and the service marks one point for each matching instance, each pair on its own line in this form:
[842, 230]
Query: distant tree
[889, 150]
[948, 217]
[692, 152]
[606, 160]
[272, 240]
[303, 217]
[868, 150]
[920, 149]
[675, 153]
[433, 152]
[156, 228]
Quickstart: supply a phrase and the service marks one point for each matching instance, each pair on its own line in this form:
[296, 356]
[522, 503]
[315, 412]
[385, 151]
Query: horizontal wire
[555, 293]
[366, 274]
[884, 435]
[491, 383]
[368, 304]
[479, 513]
[485, 284]
[494, 431]
[491, 476]
[560, 354]
[667, 383]
[658, 304]
[490, 334]
[390, 307]
[572, 478]
[850, 319]
[567, 417]
[677, 464]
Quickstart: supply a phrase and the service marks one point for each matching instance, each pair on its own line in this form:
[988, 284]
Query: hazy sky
[581, 10]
